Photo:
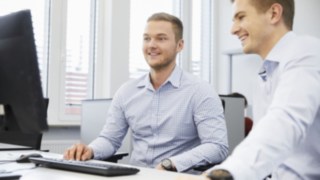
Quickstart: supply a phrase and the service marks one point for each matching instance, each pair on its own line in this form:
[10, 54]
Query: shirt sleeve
[113, 132]
[209, 119]
[294, 107]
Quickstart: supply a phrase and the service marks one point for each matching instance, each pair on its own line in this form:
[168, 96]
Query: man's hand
[218, 174]
[79, 152]
[159, 167]
[215, 174]
[166, 165]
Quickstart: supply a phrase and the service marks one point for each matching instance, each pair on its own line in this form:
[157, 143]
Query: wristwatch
[167, 165]
[220, 174]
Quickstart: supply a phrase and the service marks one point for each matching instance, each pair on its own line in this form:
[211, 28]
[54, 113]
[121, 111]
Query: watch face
[166, 163]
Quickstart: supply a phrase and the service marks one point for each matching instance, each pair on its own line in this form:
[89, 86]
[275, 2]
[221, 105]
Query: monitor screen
[22, 105]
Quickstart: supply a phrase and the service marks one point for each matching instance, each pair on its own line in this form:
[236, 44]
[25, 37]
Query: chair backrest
[93, 117]
[234, 115]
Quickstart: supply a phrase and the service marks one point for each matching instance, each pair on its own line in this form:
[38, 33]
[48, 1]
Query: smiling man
[284, 142]
[176, 119]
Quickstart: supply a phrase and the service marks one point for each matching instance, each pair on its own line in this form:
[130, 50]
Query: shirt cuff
[182, 164]
[102, 148]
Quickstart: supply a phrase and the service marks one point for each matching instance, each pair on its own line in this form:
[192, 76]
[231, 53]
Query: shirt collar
[274, 57]
[276, 53]
[267, 68]
[174, 79]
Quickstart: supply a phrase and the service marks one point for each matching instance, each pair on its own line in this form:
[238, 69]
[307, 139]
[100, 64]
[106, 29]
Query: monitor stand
[13, 147]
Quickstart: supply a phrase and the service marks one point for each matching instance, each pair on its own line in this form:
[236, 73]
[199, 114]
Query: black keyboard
[85, 166]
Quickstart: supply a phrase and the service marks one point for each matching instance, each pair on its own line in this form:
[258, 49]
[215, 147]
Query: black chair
[116, 157]
[205, 167]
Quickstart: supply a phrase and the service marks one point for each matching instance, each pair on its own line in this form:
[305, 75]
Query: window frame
[57, 64]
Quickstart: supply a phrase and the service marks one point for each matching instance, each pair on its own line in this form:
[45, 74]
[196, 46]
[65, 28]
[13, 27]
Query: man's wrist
[168, 165]
[219, 174]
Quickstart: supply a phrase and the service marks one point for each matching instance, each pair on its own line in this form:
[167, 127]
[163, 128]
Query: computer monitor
[21, 98]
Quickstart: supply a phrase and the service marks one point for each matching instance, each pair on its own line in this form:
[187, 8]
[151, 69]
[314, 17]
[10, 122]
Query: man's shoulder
[300, 52]
[131, 85]
[301, 47]
[134, 82]
[198, 85]
[306, 46]
[188, 78]
[306, 43]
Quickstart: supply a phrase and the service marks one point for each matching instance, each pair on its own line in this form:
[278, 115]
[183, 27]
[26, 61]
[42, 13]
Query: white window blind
[77, 85]
[202, 43]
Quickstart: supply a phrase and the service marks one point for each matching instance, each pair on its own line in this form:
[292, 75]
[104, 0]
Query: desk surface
[28, 171]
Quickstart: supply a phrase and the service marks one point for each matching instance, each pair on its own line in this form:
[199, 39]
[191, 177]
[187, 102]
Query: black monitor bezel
[20, 82]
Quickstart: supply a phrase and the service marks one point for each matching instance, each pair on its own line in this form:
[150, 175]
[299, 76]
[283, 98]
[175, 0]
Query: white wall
[245, 67]
[307, 17]
[113, 38]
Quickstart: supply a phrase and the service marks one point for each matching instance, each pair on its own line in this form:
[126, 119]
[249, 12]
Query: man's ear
[275, 13]
[180, 45]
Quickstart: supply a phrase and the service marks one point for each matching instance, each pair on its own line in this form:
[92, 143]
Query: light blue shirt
[286, 132]
[183, 120]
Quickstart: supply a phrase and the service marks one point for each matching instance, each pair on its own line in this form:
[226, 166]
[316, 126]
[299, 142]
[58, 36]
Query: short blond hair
[287, 5]
[176, 23]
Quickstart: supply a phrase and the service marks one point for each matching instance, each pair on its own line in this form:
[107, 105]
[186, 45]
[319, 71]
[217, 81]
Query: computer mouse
[24, 158]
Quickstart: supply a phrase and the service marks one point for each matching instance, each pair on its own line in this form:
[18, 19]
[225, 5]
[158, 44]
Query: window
[72, 55]
[65, 39]
[78, 55]
[201, 34]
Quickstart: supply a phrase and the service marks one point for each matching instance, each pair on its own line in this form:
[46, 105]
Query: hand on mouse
[24, 158]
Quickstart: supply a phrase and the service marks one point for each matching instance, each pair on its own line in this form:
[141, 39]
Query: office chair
[93, 117]
[234, 115]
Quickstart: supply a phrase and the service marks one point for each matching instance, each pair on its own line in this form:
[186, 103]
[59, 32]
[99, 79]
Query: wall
[57, 139]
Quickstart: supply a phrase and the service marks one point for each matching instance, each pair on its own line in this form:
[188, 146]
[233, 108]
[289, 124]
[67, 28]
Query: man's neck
[273, 40]
[158, 77]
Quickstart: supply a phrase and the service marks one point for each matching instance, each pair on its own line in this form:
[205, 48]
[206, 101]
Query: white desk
[41, 173]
